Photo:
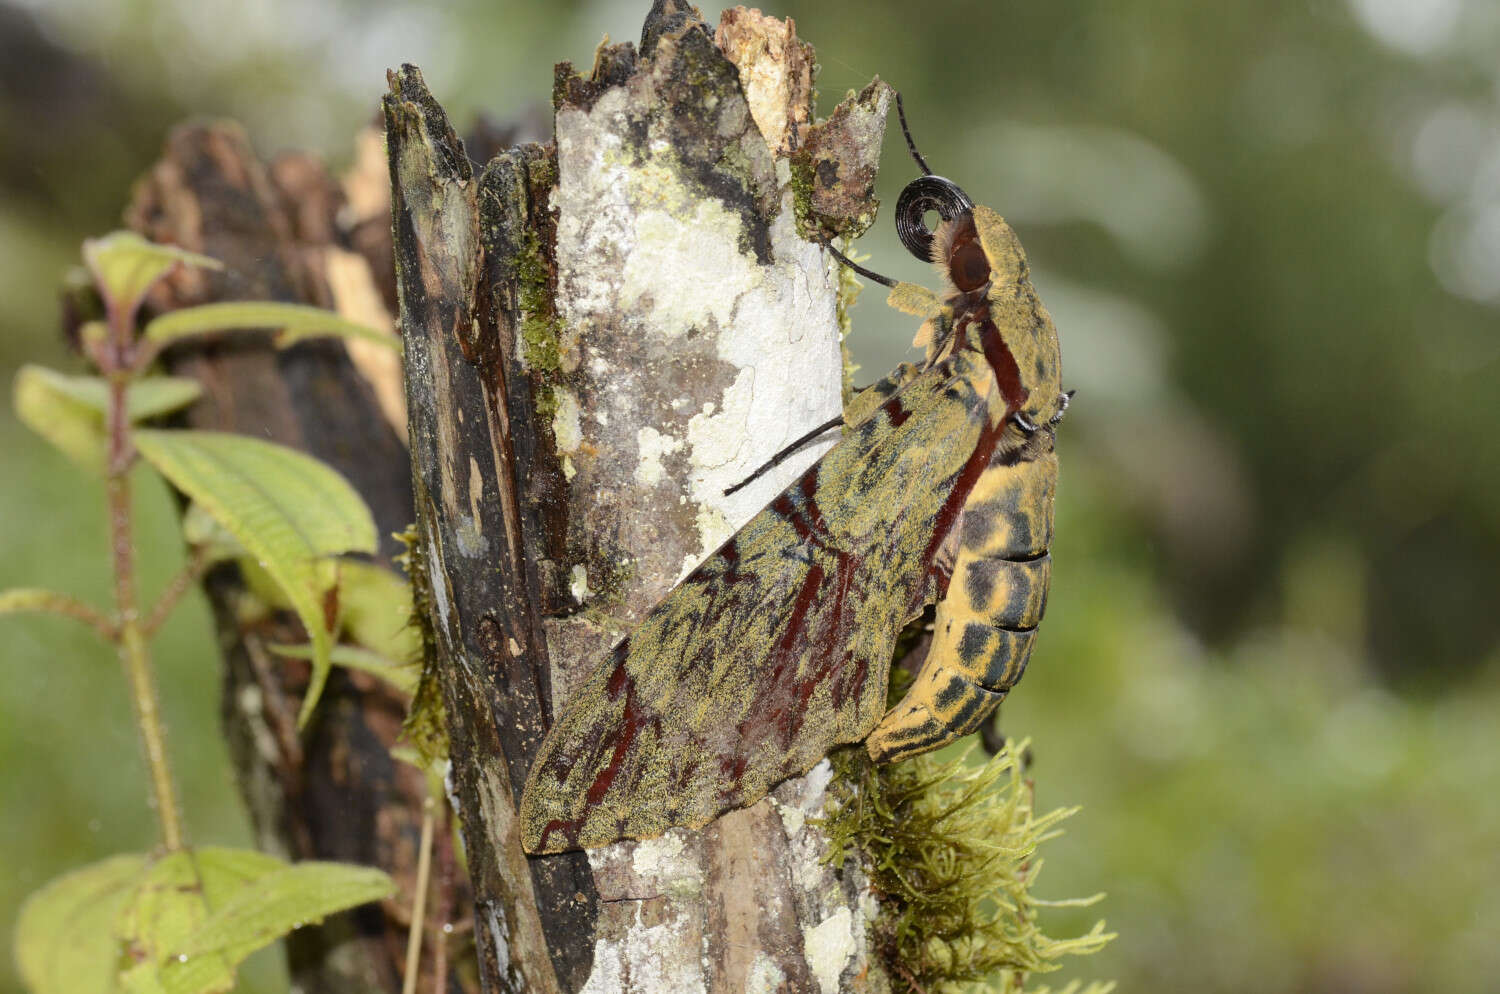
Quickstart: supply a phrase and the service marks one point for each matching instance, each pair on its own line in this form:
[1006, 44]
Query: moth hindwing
[778, 647]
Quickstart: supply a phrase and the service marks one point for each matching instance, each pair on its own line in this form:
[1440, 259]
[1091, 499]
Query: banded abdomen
[987, 619]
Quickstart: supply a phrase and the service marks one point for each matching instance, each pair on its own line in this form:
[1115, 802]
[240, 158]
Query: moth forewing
[778, 647]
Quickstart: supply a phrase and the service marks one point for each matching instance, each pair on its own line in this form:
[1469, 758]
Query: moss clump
[802, 183]
[951, 851]
[539, 323]
[844, 298]
[426, 725]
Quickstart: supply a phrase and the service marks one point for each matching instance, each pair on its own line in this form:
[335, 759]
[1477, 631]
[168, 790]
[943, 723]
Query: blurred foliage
[1270, 235]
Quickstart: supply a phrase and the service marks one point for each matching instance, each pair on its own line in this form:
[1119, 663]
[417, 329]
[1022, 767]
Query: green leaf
[74, 427]
[375, 611]
[64, 938]
[293, 321]
[125, 265]
[286, 508]
[180, 924]
[401, 676]
[149, 397]
[202, 531]
[170, 901]
[69, 411]
[281, 901]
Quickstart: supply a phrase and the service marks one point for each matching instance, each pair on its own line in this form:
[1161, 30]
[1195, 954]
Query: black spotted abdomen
[986, 622]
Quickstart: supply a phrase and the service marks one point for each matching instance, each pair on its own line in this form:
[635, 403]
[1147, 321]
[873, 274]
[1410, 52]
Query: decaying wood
[285, 232]
[602, 334]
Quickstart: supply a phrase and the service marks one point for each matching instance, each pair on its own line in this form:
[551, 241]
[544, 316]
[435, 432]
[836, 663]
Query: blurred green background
[1270, 234]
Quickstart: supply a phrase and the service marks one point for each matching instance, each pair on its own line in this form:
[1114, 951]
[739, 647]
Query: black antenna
[861, 270]
[785, 454]
[911, 146]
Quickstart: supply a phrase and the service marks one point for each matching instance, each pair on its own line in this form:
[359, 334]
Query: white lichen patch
[639, 251]
[765, 976]
[442, 598]
[469, 534]
[654, 958]
[578, 583]
[659, 862]
[713, 531]
[806, 802]
[827, 947]
[565, 421]
[785, 344]
[499, 932]
[653, 445]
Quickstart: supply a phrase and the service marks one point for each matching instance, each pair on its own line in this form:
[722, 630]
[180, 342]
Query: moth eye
[968, 268]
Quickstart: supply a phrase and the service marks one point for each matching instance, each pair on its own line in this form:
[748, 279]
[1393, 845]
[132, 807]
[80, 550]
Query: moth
[778, 647]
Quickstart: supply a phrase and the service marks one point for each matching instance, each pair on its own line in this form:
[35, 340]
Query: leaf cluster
[178, 923]
[182, 918]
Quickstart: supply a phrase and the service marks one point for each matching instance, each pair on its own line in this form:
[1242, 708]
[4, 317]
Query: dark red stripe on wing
[963, 485]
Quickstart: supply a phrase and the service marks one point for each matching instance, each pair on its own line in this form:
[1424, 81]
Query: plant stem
[419, 901]
[191, 572]
[131, 640]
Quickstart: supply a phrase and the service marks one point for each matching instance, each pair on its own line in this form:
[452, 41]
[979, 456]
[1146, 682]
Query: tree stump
[603, 334]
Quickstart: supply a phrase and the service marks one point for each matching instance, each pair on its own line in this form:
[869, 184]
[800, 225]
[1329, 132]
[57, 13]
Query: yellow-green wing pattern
[777, 647]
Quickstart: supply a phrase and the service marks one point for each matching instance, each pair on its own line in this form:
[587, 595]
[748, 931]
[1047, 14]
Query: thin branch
[419, 901]
[191, 572]
[130, 639]
[60, 605]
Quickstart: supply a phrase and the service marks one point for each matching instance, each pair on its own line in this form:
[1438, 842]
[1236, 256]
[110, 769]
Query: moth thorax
[957, 252]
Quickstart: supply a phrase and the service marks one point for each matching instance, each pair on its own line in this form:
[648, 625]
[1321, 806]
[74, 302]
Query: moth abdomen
[987, 619]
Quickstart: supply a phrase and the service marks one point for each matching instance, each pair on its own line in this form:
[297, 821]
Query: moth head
[953, 245]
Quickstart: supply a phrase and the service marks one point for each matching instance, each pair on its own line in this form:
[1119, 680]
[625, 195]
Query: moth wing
[774, 650]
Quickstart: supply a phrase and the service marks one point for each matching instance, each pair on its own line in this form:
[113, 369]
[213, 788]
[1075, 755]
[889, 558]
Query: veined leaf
[181, 923]
[280, 901]
[169, 902]
[69, 411]
[64, 936]
[125, 265]
[402, 677]
[294, 321]
[286, 508]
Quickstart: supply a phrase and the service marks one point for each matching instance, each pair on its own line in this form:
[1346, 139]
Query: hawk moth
[778, 646]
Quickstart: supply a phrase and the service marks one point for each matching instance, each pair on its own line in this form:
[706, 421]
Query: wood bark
[288, 231]
[602, 334]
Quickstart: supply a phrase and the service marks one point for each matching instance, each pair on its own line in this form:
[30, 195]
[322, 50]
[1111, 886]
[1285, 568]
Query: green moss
[539, 323]
[426, 725]
[802, 183]
[844, 298]
[951, 851]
